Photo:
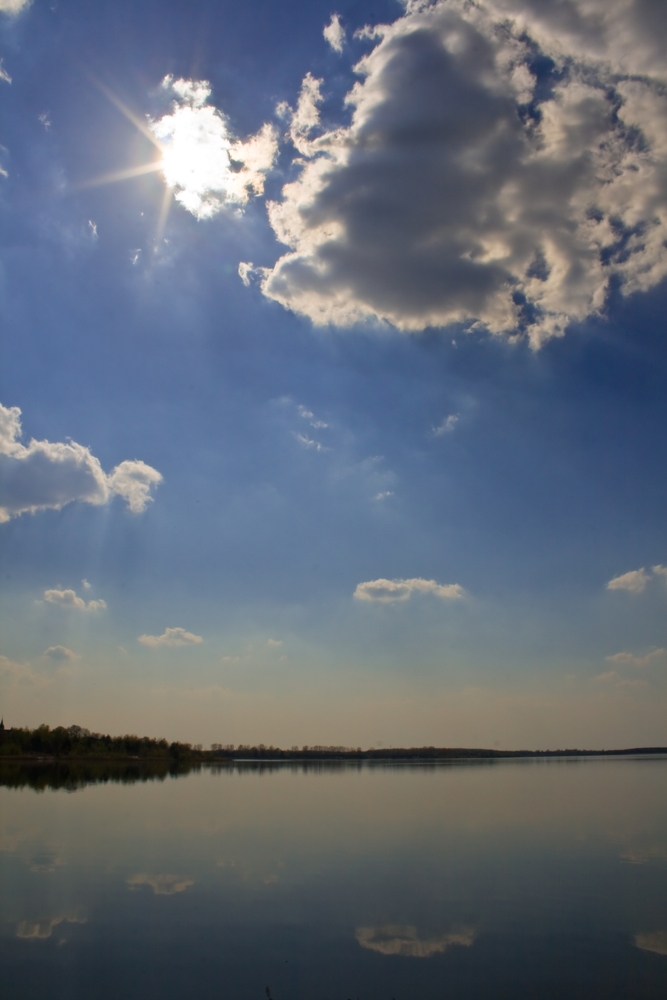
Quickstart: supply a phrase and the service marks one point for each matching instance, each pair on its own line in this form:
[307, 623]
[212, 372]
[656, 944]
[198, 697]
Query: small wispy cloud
[614, 678]
[69, 600]
[310, 417]
[60, 654]
[4, 75]
[45, 120]
[334, 33]
[171, 637]
[631, 660]
[387, 591]
[446, 426]
[310, 443]
[274, 643]
[383, 495]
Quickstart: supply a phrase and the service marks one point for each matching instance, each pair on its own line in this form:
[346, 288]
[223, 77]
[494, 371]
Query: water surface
[503, 879]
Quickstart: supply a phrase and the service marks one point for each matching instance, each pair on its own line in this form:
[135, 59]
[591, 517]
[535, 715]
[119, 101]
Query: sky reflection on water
[523, 878]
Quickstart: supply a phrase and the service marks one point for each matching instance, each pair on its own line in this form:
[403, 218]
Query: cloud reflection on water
[655, 941]
[42, 929]
[162, 885]
[399, 939]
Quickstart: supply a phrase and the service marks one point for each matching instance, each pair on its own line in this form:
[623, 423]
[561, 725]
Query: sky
[332, 371]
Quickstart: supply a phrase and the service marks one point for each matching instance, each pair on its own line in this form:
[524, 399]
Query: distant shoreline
[275, 755]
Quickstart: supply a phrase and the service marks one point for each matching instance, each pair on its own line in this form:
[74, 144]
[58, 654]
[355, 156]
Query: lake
[462, 880]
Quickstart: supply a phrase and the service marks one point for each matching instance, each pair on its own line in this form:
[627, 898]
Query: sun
[203, 168]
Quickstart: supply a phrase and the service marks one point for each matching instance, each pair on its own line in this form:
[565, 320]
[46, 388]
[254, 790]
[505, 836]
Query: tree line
[76, 742]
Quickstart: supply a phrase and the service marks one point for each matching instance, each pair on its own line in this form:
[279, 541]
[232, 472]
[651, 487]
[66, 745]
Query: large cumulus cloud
[505, 163]
[45, 474]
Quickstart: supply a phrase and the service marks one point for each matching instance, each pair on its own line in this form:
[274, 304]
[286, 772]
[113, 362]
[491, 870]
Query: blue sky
[371, 486]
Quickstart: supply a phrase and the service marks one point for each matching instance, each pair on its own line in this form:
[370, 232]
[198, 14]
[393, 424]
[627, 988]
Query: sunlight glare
[201, 163]
[195, 158]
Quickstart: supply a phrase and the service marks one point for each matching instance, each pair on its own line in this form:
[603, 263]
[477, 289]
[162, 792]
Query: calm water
[476, 880]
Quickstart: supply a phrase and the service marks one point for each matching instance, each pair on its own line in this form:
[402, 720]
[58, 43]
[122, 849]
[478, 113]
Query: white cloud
[274, 643]
[4, 75]
[447, 425]
[310, 417]
[310, 443]
[13, 6]
[635, 581]
[334, 33]
[307, 114]
[162, 885]
[133, 481]
[660, 571]
[171, 637]
[463, 193]
[386, 591]
[68, 599]
[60, 654]
[401, 940]
[383, 495]
[46, 474]
[629, 659]
[85, 584]
[202, 163]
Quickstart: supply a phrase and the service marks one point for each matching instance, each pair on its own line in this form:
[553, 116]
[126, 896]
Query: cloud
[46, 474]
[402, 940]
[635, 581]
[12, 671]
[133, 481]
[504, 166]
[386, 591]
[334, 33]
[14, 6]
[447, 425]
[274, 643]
[41, 929]
[171, 637]
[310, 443]
[310, 417]
[60, 654]
[13, 674]
[629, 659]
[655, 941]
[613, 677]
[202, 163]
[162, 885]
[4, 75]
[68, 599]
